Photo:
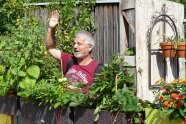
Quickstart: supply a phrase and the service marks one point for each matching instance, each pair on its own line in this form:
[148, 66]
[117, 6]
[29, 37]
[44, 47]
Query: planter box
[152, 116]
[6, 119]
[86, 116]
[8, 105]
[34, 114]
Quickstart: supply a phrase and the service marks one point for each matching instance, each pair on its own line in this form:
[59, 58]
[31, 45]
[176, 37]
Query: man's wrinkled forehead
[80, 38]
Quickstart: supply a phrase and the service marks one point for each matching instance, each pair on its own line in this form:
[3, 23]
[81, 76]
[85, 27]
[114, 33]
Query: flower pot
[181, 50]
[153, 116]
[168, 49]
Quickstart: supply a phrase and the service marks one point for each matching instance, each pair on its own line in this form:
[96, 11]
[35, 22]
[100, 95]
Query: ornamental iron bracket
[170, 20]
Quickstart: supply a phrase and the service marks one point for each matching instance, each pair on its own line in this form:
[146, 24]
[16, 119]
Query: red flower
[161, 98]
[161, 88]
[166, 84]
[180, 97]
[167, 90]
[179, 104]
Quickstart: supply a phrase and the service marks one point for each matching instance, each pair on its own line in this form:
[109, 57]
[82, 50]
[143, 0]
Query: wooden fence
[107, 34]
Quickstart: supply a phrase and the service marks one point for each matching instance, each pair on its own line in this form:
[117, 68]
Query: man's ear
[90, 47]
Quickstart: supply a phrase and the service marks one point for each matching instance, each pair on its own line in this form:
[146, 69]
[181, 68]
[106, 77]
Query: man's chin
[79, 56]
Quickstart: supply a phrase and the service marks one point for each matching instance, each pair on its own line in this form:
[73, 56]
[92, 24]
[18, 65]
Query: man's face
[81, 48]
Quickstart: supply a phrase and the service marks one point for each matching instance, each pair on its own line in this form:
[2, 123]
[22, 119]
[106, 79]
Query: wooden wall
[107, 31]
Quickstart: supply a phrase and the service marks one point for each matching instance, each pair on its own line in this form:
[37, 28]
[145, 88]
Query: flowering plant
[171, 98]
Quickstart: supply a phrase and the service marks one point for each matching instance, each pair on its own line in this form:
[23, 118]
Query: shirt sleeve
[65, 57]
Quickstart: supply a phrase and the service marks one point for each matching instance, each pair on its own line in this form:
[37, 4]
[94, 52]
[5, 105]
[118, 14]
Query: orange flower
[159, 81]
[167, 104]
[174, 95]
[175, 81]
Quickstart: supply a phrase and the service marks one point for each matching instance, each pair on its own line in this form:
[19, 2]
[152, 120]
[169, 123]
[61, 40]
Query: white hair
[90, 39]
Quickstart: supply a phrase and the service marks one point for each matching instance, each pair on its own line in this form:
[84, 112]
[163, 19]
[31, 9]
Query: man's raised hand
[54, 20]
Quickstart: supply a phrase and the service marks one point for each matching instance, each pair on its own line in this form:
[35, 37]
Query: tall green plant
[21, 52]
[113, 89]
[24, 60]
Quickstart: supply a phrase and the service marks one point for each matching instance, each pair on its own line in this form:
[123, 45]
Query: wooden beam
[128, 20]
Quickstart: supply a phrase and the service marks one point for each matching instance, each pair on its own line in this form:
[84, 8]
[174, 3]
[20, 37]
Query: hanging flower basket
[181, 50]
[168, 49]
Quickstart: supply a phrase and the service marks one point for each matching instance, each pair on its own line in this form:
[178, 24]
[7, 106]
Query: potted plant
[170, 100]
[114, 91]
[181, 49]
[173, 48]
[168, 47]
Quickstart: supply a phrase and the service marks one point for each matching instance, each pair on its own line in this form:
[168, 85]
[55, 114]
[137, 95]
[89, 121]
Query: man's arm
[51, 45]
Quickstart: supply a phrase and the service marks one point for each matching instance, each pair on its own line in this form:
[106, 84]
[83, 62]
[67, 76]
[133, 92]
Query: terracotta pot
[181, 50]
[168, 49]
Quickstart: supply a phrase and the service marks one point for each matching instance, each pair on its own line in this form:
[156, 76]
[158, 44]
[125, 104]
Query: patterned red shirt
[78, 73]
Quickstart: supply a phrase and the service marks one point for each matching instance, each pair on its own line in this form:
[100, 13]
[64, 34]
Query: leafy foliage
[23, 56]
[9, 12]
[170, 99]
[113, 89]
[24, 60]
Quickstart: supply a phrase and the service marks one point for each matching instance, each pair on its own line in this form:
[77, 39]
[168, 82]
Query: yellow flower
[183, 80]
[175, 81]
[159, 81]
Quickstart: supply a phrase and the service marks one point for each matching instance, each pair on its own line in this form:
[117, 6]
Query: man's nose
[75, 46]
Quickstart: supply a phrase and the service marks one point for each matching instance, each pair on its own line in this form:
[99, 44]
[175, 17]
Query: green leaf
[34, 71]
[22, 62]
[56, 105]
[14, 71]
[27, 83]
[2, 69]
[73, 104]
[1, 78]
[96, 113]
[22, 73]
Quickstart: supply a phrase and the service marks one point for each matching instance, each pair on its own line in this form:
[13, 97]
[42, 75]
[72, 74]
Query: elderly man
[80, 67]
